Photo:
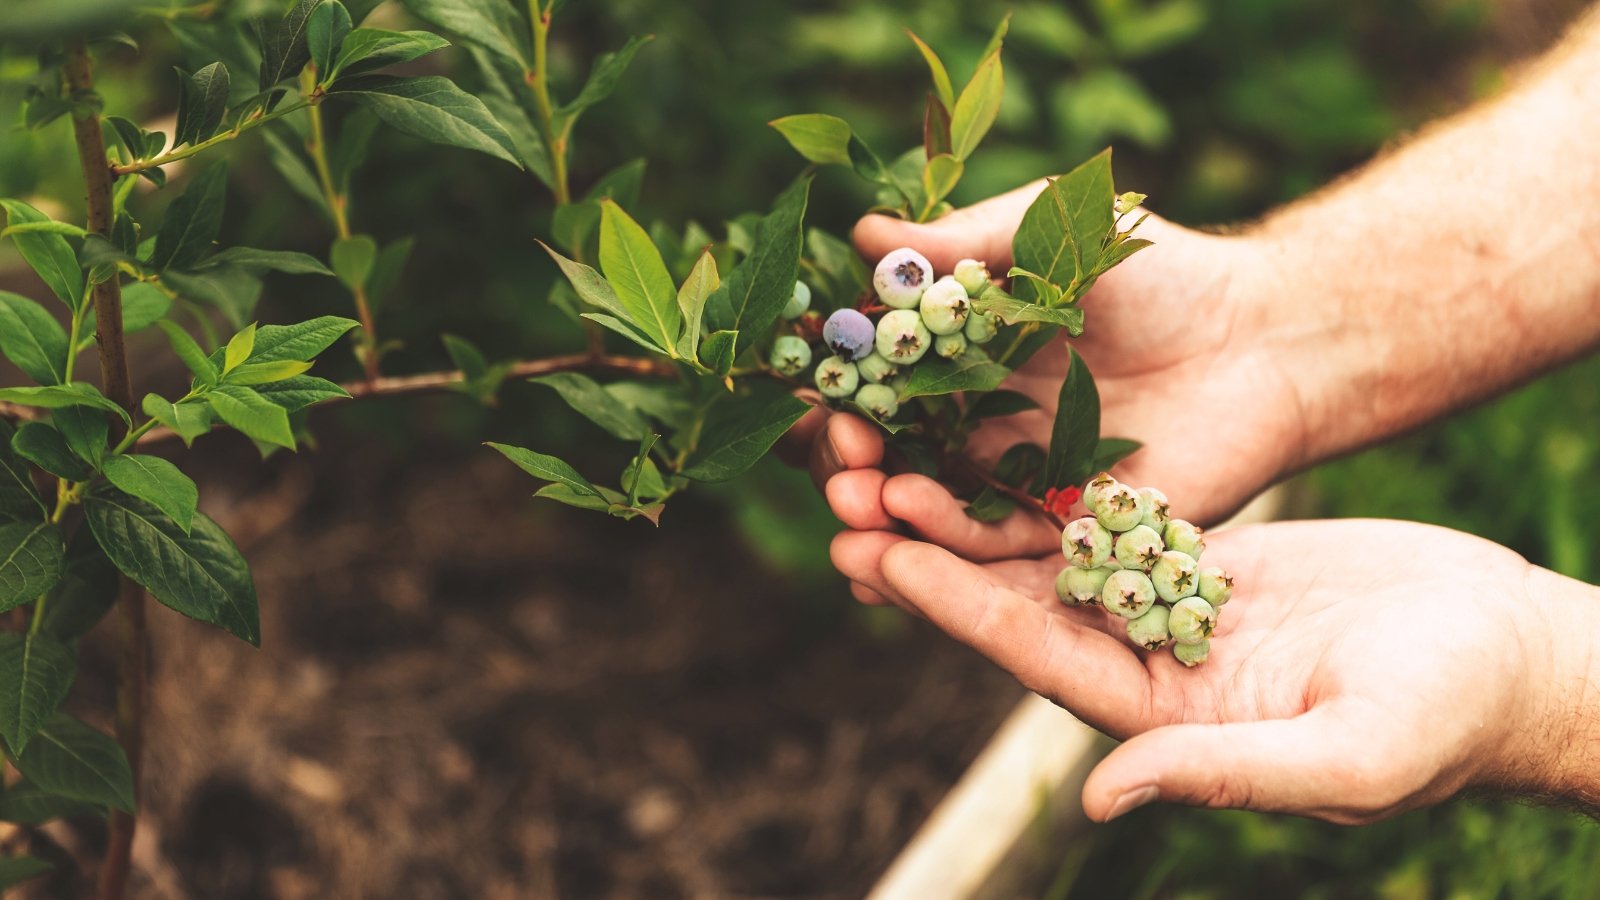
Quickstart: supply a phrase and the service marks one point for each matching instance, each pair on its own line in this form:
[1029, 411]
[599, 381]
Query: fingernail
[1132, 800]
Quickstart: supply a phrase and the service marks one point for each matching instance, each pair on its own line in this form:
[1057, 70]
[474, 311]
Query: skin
[1454, 268]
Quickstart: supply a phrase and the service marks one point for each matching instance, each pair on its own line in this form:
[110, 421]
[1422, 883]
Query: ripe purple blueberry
[901, 278]
[850, 334]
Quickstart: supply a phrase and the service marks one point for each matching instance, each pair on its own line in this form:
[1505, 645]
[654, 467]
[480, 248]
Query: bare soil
[463, 693]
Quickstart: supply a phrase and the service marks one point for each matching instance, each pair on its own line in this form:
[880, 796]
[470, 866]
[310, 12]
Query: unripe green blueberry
[901, 277]
[1128, 593]
[1157, 511]
[1138, 548]
[1192, 620]
[945, 307]
[1081, 587]
[1192, 655]
[837, 377]
[950, 346]
[1086, 543]
[972, 275]
[1185, 537]
[790, 355]
[878, 399]
[1176, 576]
[899, 382]
[1094, 492]
[1120, 508]
[981, 327]
[1216, 586]
[902, 338]
[1150, 630]
[875, 369]
[799, 301]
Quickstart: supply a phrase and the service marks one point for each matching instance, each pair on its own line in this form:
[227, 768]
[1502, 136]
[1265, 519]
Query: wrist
[1555, 750]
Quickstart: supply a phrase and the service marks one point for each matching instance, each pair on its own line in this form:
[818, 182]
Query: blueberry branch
[1022, 497]
[107, 297]
[255, 120]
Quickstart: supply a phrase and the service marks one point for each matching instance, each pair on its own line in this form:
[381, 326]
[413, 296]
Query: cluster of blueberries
[1131, 557]
[870, 359]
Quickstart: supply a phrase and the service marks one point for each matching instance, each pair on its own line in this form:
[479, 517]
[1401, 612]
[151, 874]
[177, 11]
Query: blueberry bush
[697, 347]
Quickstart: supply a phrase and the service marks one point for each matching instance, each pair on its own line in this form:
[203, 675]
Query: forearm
[1557, 757]
[1449, 270]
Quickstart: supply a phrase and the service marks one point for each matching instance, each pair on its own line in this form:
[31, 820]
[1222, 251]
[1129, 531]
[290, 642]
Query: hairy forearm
[1557, 757]
[1452, 268]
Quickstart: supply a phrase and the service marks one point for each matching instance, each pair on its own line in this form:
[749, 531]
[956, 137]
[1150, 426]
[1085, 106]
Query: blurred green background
[1218, 109]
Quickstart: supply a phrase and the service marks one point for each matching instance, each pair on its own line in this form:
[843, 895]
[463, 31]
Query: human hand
[1180, 350]
[1363, 667]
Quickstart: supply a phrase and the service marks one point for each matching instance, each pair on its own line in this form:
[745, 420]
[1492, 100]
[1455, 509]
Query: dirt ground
[464, 694]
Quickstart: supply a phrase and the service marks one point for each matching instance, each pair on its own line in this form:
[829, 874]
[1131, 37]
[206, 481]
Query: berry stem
[1022, 497]
[338, 202]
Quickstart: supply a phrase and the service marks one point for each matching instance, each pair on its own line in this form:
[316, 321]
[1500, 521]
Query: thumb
[1318, 764]
[982, 231]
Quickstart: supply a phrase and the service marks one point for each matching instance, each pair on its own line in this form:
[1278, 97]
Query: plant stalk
[337, 203]
[118, 386]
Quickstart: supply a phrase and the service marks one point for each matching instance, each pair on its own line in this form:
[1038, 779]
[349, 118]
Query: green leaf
[599, 499]
[201, 574]
[998, 36]
[66, 229]
[1061, 234]
[238, 349]
[665, 403]
[469, 359]
[18, 499]
[85, 430]
[160, 482]
[32, 339]
[939, 177]
[604, 75]
[231, 289]
[493, 25]
[192, 221]
[56, 396]
[870, 416]
[590, 285]
[326, 31]
[975, 110]
[352, 259]
[85, 593]
[990, 506]
[294, 394]
[549, 468]
[15, 870]
[692, 295]
[143, 304]
[190, 352]
[42, 445]
[719, 351]
[203, 103]
[624, 329]
[431, 108]
[369, 49]
[301, 341]
[1000, 403]
[941, 78]
[819, 138]
[69, 759]
[1011, 311]
[258, 261]
[1076, 432]
[25, 804]
[590, 400]
[386, 271]
[1110, 451]
[47, 254]
[266, 373]
[30, 561]
[284, 50]
[252, 414]
[188, 420]
[970, 372]
[635, 270]
[1117, 251]
[753, 295]
[36, 672]
[739, 433]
